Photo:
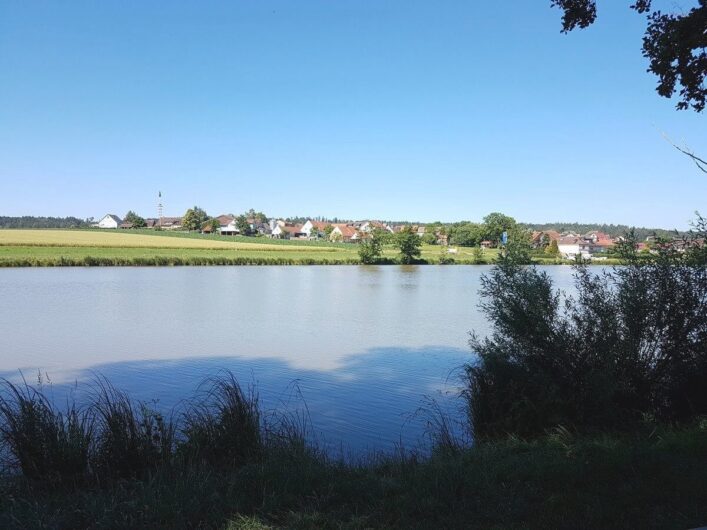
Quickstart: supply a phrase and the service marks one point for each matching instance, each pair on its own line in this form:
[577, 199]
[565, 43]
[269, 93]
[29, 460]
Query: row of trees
[196, 219]
[29, 221]
[408, 243]
[467, 234]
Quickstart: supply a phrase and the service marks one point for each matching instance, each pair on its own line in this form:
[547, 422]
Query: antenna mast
[159, 208]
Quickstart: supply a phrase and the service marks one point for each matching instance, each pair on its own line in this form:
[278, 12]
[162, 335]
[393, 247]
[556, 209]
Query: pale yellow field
[111, 239]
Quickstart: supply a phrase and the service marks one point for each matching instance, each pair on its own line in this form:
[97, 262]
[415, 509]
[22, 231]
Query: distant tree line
[30, 221]
[610, 229]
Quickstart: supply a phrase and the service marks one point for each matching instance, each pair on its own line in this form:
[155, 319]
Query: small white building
[109, 221]
[313, 228]
[227, 225]
[571, 247]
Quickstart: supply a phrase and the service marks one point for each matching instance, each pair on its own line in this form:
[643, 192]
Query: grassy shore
[28, 248]
[222, 464]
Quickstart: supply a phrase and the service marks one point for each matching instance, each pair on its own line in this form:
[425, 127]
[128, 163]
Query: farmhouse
[109, 221]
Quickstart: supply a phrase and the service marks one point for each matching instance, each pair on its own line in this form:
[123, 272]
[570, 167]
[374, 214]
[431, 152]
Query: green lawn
[145, 247]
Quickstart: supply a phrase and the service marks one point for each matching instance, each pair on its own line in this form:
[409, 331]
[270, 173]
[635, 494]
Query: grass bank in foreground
[222, 464]
[48, 248]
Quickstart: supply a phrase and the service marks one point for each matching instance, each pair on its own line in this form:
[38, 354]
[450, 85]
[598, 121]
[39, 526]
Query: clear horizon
[402, 110]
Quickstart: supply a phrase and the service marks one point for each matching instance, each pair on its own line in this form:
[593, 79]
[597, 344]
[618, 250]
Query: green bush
[632, 343]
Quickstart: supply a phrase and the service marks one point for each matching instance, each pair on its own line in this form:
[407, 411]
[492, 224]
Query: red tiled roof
[292, 229]
[170, 221]
[347, 231]
[224, 220]
[553, 235]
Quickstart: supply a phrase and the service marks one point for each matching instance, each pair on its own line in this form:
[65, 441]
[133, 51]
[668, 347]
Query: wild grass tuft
[224, 425]
[45, 444]
[132, 439]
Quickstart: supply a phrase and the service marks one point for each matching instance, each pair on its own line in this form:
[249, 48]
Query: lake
[359, 349]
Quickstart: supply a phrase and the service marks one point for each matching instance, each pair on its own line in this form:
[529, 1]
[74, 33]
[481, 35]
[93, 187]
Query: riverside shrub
[631, 344]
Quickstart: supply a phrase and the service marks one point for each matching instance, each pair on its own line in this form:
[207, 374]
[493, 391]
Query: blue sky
[380, 109]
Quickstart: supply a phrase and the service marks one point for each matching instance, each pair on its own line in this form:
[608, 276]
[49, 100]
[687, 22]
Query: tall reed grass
[112, 436]
[223, 462]
[42, 442]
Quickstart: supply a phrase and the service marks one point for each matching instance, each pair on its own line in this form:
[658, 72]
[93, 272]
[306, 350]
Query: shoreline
[223, 464]
[160, 261]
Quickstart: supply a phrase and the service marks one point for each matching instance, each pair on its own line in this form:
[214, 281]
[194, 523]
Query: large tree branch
[699, 162]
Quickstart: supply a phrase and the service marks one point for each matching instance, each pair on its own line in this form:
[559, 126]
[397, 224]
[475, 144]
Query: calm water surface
[362, 347]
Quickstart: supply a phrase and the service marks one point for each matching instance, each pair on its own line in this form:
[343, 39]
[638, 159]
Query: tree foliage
[213, 224]
[477, 255]
[495, 224]
[193, 218]
[409, 244]
[243, 225]
[552, 249]
[466, 234]
[674, 44]
[29, 221]
[518, 248]
[369, 250]
[135, 219]
[631, 343]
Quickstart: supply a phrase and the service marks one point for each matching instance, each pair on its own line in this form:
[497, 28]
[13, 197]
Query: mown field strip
[76, 238]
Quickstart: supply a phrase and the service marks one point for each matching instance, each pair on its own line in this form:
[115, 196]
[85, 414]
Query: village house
[287, 231]
[570, 247]
[169, 223]
[259, 227]
[227, 225]
[313, 228]
[587, 246]
[369, 226]
[109, 221]
[344, 232]
[540, 238]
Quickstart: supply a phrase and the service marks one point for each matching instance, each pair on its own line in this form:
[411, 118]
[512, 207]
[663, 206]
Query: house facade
[313, 228]
[109, 221]
[540, 238]
[287, 231]
[344, 232]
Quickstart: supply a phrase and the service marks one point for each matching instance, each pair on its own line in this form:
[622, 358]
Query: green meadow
[27, 248]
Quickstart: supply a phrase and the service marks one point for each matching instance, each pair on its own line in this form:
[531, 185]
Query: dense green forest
[30, 221]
